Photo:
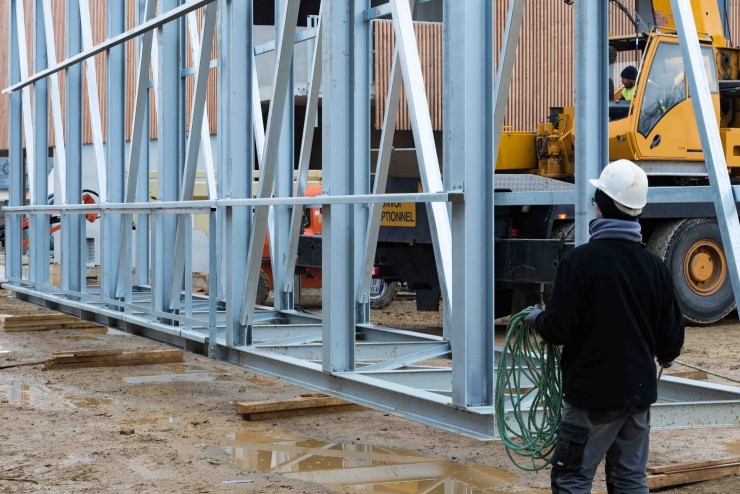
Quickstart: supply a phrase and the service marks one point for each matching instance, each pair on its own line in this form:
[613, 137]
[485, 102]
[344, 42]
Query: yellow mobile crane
[657, 130]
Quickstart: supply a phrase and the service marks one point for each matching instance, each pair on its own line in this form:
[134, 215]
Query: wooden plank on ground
[302, 405]
[42, 322]
[689, 473]
[678, 467]
[78, 325]
[10, 318]
[99, 358]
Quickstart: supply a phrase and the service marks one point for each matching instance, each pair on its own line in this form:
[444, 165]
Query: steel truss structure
[340, 353]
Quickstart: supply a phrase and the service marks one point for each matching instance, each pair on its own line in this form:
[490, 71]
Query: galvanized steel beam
[470, 137]
[592, 109]
[74, 257]
[270, 153]
[338, 265]
[16, 184]
[38, 229]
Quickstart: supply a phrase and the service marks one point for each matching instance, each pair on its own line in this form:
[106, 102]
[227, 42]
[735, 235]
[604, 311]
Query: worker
[614, 311]
[629, 76]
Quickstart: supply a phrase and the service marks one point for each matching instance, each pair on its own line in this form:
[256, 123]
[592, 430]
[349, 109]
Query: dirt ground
[173, 428]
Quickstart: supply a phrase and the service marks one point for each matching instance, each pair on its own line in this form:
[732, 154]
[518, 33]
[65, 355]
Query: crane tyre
[692, 250]
[382, 293]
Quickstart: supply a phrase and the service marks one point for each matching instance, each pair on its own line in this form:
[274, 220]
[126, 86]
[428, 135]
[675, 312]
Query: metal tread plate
[674, 168]
[512, 182]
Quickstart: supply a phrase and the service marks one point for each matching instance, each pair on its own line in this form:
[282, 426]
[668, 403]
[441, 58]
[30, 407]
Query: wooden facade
[97, 17]
[543, 74]
[429, 39]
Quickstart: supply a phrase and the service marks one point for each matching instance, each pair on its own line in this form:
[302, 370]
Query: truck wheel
[263, 289]
[382, 293]
[692, 250]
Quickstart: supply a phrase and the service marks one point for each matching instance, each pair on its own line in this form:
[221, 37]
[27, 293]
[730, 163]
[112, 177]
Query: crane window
[664, 88]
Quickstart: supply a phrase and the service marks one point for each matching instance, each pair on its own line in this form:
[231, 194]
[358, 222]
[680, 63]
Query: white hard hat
[626, 183]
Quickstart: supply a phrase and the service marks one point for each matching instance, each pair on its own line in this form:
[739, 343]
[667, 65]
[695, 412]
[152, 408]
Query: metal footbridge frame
[340, 352]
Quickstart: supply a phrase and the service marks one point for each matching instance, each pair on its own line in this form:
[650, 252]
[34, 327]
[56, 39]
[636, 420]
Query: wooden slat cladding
[543, 74]
[98, 21]
[429, 39]
[544, 69]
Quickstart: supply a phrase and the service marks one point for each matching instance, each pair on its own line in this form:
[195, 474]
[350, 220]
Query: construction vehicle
[657, 130]
[308, 265]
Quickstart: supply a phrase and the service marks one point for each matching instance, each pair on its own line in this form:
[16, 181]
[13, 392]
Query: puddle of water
[152, 421]
[35, 395]
[360, 467]
[170, 378]
[178, 373]
[732, 447]
[45, 398]
[80, 402]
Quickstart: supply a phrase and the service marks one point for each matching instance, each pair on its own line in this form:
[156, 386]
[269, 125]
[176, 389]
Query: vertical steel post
[222, 146]
[361, 75]
[139, 126]
[114, 147]
[714, 155]
[470, 135]
[141, 262]
[39, 223]
[268, 161]
[337, 264]
[592, 106]
[169, 128]
[73, 225]
[236, 161]
[183, 237]
[13, 231]
[283, 182]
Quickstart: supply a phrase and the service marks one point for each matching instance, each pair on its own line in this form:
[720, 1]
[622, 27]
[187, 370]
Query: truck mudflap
[529, 260]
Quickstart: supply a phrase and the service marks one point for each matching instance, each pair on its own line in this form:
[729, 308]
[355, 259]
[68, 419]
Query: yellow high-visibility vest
[628, 93]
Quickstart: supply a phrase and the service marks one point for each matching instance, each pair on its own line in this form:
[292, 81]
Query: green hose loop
[528, 378]
[727, 378]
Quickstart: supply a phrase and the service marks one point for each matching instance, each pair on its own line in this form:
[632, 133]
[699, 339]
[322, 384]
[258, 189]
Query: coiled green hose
[528, 371]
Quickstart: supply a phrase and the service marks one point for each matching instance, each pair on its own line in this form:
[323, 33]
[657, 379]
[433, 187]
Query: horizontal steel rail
[656, 195]
[183, 207]
[142, 28]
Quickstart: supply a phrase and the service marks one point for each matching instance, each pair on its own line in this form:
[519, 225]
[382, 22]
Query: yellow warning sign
[399, 214]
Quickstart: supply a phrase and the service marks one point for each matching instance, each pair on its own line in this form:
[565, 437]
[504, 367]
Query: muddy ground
[173, 428]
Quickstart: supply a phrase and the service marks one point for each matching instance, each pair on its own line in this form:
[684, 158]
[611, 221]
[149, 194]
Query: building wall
[543, 74]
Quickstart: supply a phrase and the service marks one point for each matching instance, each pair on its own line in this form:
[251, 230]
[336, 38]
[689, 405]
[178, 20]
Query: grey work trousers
[585, 436]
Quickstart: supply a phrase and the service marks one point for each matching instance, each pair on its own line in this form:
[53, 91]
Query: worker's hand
[531, 318]
[666, 365]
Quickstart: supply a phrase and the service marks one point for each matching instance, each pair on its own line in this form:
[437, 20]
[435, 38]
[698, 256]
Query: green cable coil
[531, 381]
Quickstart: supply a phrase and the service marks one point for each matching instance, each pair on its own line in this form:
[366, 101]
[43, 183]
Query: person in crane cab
[614, 311]
[629, 76]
